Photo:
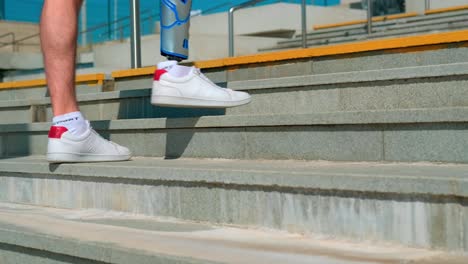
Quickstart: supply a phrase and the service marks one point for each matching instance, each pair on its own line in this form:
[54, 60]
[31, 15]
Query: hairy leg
[58, 29]
[71, 138]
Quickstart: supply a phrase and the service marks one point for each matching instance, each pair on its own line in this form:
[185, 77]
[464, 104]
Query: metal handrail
[8, 34]
[12, 34]
[121, 28]
[369, 17]
[87, 31]
[15, 42]
[252, 3]
[218, 6]
[106, 25]
[231, 21]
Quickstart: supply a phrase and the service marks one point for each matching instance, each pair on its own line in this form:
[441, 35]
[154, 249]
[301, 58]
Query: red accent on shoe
[57, 131]
[158, 74]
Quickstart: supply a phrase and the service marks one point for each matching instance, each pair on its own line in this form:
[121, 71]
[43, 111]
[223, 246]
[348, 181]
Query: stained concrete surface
[67, 233]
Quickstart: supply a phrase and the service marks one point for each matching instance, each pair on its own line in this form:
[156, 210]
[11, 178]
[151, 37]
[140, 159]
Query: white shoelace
[199, 73]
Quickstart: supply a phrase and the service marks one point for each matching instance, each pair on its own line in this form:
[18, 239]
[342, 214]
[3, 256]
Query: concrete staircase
[319, 168]
[383, 28]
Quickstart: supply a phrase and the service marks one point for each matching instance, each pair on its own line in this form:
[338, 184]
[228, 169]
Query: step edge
[369, 117]
[389, 183]
[90, 250]
[88, 97]
[405, 73]
[422, 72]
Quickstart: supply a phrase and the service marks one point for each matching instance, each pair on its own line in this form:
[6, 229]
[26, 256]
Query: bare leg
[58, 40]
[71, 138]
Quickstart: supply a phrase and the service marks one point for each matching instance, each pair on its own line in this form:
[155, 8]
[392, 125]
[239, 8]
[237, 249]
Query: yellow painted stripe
[448, 9]
[23, 84]
[422, 42]
[133, 72]
[97, 78]
[90, 77]
[363, 21]
[348, 48]
[85, 78]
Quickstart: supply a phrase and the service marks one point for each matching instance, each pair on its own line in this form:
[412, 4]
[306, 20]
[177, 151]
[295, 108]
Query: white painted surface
[419, 5]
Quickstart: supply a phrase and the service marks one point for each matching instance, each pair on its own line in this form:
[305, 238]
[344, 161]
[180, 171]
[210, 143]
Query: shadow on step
[24, 255]
[17, 144]
[137, 104]
[17, 140]
[177, 140]
[169, 112]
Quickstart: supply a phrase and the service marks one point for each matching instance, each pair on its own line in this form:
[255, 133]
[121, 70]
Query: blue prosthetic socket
[175, 23]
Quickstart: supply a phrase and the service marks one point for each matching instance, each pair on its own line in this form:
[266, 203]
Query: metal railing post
[427, 5]
[369, 17]
[84, 35]
[135, 39]
[2, 9]
[231, 31]
[109, 19]
[304, 23]
[115, 19]
[231, 22]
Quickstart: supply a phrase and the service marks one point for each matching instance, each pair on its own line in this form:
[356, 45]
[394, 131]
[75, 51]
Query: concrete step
[334, 63]
[437, 135]
[400, 88]
[360, 35]
[434, 86]
[30, 234]
[410, 30]
[386, 23]
[384, 26]
[36, 88]
[416, 205]
[407, 26]
[126, 104]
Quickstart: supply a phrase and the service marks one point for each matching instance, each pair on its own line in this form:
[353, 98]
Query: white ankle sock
[174, 69]
[74, 122]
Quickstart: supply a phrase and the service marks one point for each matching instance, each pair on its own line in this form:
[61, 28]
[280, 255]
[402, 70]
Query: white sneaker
[90, 147]
[193, 90]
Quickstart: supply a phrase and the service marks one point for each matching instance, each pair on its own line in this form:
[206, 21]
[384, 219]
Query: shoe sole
[77, 158]
[173, 101]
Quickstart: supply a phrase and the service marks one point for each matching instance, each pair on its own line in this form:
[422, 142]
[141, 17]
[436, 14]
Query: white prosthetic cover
[175, 23]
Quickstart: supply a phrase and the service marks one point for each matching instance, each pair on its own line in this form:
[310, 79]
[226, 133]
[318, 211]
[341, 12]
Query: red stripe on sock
[158, 74]
[57, 131]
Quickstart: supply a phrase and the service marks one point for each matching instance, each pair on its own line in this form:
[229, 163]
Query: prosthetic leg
[182, 86]
[175, 22]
